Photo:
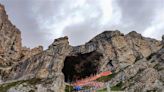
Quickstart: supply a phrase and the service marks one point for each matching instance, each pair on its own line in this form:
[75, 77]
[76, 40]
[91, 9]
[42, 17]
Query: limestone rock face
[151, 78]
[10, 40]
[11, 50]
[45, 65]
[27, 52]
[123, 49]
[137, 61]
[146, 74]
[163, 39]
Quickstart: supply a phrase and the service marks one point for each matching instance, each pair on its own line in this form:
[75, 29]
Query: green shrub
[117, 87]
[106, 78]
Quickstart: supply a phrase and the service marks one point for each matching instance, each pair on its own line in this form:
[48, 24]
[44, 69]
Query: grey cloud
[137, 14]
[78, 33]
[41, 20]
[21, 14]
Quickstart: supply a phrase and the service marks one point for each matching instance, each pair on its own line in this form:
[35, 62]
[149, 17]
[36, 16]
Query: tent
[77, 88]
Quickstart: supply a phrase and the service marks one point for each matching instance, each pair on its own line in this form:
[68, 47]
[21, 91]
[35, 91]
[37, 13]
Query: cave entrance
[81, 66]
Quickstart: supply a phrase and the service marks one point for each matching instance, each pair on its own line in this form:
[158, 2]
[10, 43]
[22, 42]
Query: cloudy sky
[41, 21]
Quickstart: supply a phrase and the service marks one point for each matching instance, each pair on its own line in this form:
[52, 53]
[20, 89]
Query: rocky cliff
[10, 40]
[11, 50]
[137, 61]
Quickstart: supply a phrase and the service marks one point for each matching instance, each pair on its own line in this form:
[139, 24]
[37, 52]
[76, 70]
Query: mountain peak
[1, 7]
[134, 34]
[3, 15]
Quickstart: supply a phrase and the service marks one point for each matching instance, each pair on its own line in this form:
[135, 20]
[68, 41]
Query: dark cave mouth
[81, 66]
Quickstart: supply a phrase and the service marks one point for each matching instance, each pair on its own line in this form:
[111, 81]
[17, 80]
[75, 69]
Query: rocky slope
[137, 61]
[11, 50]
[10, 40]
